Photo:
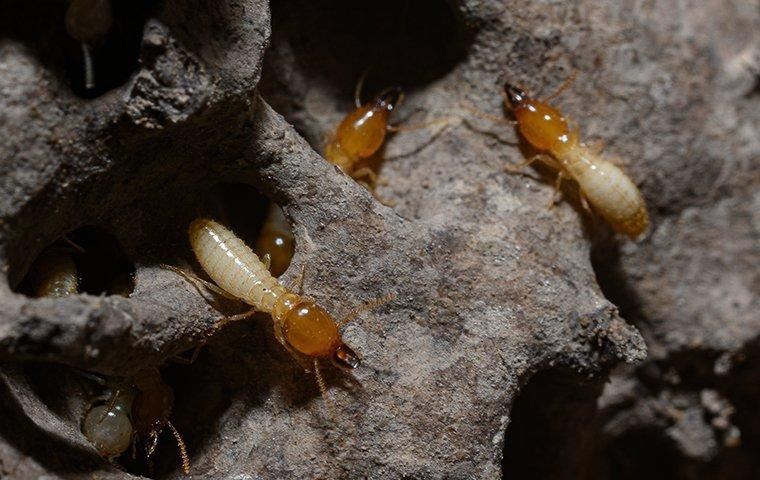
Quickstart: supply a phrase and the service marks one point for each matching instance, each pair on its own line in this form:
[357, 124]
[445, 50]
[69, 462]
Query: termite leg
[182, 448]
[584, 203]
[193, 356]
[518, 167]
[298, 281]
[232, 318]
[565, 85]
[323, 390]
[195, 280]
[267, 260]
[596, 146]
[557, 190]
[89, 72]
[365, 172]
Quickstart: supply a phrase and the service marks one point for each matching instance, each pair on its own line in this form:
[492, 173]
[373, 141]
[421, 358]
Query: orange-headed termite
[604, 185]
[88, 22]
[362, 132]
[304, 328]
[276, 241]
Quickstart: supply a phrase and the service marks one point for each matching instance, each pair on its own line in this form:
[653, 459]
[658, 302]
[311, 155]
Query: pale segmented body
[608, 189]
[234, 266]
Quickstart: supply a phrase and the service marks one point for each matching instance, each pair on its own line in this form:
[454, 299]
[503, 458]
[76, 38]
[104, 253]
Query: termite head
[542, 125]
[363, 131]
[515, 95]
[389, 99]
[312, 332]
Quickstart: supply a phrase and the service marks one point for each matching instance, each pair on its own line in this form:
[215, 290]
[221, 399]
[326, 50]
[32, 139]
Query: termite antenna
[73, 245]
[323, 390]
[89, 71]
[150, 448]
[111, 404]
[182, 448]
[370, 305]
[359, 87]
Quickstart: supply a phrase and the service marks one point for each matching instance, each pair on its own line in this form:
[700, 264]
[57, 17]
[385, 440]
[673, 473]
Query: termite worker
[88, 22]
[151, 409]
[605, 186]
[276, 241]
[304, 328]
[139, 407]
[108, 426]
[362, 132]
[54, 274]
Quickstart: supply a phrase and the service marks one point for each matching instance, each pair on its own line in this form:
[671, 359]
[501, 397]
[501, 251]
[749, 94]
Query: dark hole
[101, 265]
[612, 280]
[553, 429]
[641, 454]
[41, 27]
[402, 43]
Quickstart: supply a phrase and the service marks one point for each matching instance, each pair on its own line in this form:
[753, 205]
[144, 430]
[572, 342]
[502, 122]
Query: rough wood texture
[492, 288]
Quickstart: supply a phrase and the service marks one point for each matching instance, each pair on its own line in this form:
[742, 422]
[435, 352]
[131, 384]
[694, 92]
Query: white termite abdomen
[233, 266]
[608, 189]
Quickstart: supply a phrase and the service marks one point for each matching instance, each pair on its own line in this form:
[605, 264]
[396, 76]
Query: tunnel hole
[330, 45]
[258, 221]
[553, 432]
[644, 453]
[397, 42]
[42, 27]
[89, 257]
[612, 279]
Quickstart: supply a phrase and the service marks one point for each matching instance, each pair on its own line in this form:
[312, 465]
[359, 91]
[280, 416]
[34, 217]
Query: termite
[151, 409]
[88, 22]
[362, 133]
[139, 408]
[54, 274]
[602, 184]
[109, 427]
[305, 329]
[276, 241]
